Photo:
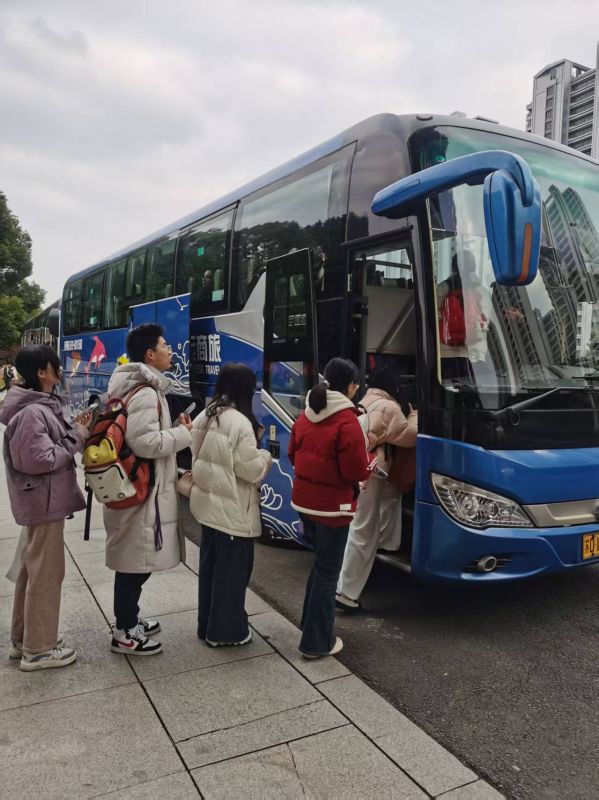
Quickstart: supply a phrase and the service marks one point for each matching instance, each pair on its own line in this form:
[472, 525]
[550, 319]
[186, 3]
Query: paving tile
[479, 790]
[179, 786]
[93, 567]
[84, 746]
[183, 650]
[273, 730]
[411, 748]
[267, 775]
[72, 575]
[78, 611]
[341, 763]
[78, 521]
[192, 555]
[255, 604]
[193, 703]
[9, 543]
[285, 638]
[76, 544]
[96, 668]
[164, 593]
[335, 763]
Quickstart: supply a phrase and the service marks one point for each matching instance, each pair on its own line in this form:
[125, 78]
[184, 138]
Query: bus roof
[405, 123]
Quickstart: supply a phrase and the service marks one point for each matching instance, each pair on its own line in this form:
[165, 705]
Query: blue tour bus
[346, 251]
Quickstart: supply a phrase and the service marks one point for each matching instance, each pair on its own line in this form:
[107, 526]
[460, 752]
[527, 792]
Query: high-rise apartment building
[565, 105]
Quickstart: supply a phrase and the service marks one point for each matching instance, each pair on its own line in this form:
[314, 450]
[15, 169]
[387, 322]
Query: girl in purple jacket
[39, 444]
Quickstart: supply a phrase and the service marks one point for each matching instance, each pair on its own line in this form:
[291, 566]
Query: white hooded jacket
[130, 533]
[227, 470]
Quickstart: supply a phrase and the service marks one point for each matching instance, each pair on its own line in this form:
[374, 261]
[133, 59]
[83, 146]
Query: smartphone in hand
[190, 408]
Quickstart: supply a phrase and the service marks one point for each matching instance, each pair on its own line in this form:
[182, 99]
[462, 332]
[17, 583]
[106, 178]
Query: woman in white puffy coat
[227, 469]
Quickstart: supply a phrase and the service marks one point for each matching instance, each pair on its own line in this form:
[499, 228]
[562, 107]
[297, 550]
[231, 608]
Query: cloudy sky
[117, 118]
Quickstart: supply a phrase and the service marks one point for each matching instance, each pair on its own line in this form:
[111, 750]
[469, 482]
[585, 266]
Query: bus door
[383, 328]
[290, 370]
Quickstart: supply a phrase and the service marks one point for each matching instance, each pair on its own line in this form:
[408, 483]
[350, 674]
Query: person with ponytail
[228, 466]
[328, 452]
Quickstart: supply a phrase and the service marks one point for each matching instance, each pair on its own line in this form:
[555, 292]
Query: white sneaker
[336, 648]
[134, 642]
[247, 640]
[59, 657]
[15, 649]
[150, 626]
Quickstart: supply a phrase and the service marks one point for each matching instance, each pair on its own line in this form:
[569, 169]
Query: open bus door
[290, 370]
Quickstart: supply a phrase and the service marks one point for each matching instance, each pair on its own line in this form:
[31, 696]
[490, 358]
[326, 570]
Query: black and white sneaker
[150, 626]
[134, 642]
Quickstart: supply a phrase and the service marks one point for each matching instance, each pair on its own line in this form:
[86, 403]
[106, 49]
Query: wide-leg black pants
[226, 564]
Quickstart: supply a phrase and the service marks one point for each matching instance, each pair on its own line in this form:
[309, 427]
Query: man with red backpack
[464, 311]
[143, 538]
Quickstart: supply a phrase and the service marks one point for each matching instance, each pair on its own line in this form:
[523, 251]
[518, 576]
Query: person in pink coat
[377, 520]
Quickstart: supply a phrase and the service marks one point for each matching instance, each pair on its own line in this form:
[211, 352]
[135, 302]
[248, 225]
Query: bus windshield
[503, 341]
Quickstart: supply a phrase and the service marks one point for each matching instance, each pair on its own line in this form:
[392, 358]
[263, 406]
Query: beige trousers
[36, 606]
[376, 523]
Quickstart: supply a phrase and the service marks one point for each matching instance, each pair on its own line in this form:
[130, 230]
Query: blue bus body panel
[89, 359]
[527, 476]
[445, 549]
[213, 346]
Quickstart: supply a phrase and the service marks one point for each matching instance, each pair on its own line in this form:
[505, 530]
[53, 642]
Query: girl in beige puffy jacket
[375, 523]
[227, 469]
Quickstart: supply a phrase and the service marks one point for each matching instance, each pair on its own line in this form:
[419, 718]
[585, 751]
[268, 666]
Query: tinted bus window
[306, 210]
[72, 305]
[160, 267]
[91, 302]
[136, 279]
[203, 263]
[114, 288]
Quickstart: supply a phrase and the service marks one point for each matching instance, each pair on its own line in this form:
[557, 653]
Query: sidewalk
[256, 721]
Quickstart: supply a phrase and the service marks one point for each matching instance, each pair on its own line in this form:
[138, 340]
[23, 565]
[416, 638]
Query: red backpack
[118, 478]
[461, 314]
[452, 324]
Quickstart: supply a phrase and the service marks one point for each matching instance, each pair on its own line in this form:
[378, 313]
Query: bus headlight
[477, 507]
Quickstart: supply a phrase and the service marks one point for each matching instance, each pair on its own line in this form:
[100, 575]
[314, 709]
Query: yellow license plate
[590, 545]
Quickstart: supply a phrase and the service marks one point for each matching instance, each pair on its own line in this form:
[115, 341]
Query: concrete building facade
[565, 105]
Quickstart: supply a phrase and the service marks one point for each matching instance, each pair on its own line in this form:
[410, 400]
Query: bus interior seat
[190, 285]
[218, 279]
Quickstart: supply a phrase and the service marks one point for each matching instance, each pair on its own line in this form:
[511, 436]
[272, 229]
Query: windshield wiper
[512, 412]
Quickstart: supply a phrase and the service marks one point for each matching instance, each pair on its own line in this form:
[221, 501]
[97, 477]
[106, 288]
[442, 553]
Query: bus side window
[203, 263]
[160, 265]
[305, 210]
[72, 308]
[135, 282]
[114, 287]
[91, 303]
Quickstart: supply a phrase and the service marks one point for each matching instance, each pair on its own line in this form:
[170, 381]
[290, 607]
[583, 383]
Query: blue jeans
[318, 616]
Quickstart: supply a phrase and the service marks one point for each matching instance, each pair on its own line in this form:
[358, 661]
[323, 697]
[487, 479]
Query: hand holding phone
[184, 418]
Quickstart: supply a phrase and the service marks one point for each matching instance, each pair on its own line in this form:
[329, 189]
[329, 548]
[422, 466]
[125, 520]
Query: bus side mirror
[513, 229]
[54, 322]
[512, 205]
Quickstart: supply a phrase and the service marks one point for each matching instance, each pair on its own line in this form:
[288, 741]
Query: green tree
[20, 298]
[32, 295]
[15, 250]
[12, 319]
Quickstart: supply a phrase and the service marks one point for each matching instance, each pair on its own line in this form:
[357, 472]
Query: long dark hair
[235, 386]
[384, 378]
[33, 357]
[338, 374]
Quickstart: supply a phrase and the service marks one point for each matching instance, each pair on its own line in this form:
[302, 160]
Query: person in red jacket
[328, 451]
